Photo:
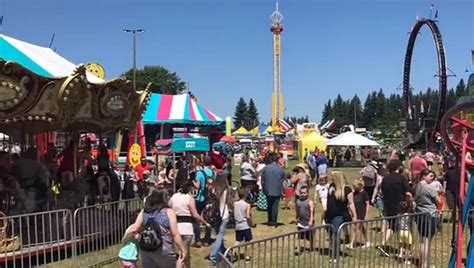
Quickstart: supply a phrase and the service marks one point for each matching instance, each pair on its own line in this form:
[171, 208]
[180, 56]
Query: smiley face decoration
[134, 155]
[96, 69]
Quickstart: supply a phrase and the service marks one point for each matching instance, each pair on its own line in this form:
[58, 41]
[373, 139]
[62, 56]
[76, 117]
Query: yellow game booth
[310, 141]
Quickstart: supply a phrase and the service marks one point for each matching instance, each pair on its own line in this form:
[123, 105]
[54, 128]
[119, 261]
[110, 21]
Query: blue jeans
[219, 243]
[197, 226]
[336, 222]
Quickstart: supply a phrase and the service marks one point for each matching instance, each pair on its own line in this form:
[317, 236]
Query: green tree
[163, 80]
[252, 115]
[241, 114]
[461, 89]
[328, 113]
[355, 111]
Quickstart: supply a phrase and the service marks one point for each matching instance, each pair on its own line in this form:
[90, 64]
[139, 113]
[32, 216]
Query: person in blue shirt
[312, 165]
[203, 177]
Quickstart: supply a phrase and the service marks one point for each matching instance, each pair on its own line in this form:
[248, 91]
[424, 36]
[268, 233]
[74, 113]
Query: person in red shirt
[141, 168]
[417, 165]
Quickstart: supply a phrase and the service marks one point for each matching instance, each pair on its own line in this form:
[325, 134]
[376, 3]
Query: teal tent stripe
[10, 53]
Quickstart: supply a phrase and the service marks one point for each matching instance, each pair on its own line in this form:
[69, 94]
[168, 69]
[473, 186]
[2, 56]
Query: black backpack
[211, 212]
[150, 237]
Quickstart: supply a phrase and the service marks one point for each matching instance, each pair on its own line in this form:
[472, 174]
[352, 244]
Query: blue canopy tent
[183, 143]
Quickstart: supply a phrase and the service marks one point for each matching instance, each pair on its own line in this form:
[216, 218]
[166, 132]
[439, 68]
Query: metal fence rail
[303, 248]
[34, 239]
[99, 229]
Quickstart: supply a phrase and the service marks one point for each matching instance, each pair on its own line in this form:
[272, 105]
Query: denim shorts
[379, 205]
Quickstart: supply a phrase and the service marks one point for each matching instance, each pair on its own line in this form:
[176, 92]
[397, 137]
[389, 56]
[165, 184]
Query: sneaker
[197, 245]
[333, 261]
[384, 253]
[248, 259]
[367, 245]
[407, 262]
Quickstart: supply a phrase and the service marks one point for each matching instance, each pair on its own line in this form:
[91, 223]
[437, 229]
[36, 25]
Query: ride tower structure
[277, 96]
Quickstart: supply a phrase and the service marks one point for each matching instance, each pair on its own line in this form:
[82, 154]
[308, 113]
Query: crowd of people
[209, 199]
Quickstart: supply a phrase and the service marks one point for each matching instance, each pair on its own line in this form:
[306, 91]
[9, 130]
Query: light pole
[134, 31]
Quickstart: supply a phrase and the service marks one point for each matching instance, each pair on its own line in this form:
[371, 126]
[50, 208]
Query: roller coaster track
[441, 71]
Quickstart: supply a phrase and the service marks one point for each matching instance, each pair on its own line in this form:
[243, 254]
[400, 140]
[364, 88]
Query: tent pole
[162, 127]
[174, 172]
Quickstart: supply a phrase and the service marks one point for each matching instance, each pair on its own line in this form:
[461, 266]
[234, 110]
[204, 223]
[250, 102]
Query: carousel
[42, 92]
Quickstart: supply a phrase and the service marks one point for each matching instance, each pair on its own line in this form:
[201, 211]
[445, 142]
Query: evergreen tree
[252, 115]
[241, 114]
[355, 111]
[461, 89]
[328, 113]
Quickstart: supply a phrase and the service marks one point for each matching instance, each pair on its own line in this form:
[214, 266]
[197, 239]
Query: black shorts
[427, 225]
[308, 235]
[429, 163]
[243, 235]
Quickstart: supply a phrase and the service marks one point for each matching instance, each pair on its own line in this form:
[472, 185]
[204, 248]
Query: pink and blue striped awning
[178, 109]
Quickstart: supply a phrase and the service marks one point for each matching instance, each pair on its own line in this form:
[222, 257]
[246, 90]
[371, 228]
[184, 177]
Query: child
[361, 202]
[289, 192]
[322, 193]
[243, 220]
[305, 219]
[129, 252]
[404, 231]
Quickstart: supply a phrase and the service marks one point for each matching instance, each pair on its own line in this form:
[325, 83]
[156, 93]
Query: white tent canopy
[351, 139]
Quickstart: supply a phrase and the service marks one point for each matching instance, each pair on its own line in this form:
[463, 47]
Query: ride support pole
[462, 179]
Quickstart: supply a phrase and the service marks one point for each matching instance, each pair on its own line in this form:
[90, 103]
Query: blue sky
[223, 48]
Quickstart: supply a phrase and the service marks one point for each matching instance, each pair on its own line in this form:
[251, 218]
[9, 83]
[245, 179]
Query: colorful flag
[331, 124]
[432, 6]
[472, 56]
[291, 122]
[284, 125]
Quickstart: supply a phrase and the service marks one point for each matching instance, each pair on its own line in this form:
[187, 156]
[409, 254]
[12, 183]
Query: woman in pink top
[184, 205]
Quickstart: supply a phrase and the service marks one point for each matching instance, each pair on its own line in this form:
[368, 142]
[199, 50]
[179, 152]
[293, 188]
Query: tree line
[381, 111]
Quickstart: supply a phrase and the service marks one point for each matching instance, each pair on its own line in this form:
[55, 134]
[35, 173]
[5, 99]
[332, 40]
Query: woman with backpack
[158, 228]
[184, 205]
[220, 214]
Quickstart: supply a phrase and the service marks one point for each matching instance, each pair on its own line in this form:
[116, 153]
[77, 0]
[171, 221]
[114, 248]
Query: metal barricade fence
[98, 231]
[304, 248]
[35, 239]
[222, 261]
[391, 241]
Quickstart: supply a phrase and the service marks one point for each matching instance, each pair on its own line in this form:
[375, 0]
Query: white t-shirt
[246, 171]
[322, 191]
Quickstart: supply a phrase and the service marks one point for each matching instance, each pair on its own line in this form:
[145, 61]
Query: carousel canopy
[40, 60]
[351, 139]
[42, 91]
[178, 109]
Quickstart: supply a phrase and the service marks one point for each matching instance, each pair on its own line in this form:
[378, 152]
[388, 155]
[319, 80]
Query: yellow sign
[134, 155]
[96, 69]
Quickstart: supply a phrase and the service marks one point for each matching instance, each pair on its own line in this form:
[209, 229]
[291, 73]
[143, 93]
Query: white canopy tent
[351, 139]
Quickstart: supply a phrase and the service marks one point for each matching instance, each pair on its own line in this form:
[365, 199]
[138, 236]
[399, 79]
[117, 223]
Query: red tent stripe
[211, 117]
[191, 110]
[164, 108]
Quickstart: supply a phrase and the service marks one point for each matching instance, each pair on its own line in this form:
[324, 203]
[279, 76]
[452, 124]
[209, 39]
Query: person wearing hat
[300, 178]
[140, 169]
[369, 177]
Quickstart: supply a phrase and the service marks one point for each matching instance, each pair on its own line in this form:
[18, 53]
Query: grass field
[280, 253]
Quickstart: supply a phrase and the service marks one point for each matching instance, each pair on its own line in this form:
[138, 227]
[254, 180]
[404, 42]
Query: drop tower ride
[277, 96]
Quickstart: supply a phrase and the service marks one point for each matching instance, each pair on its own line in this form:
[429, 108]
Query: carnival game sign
[134, 155]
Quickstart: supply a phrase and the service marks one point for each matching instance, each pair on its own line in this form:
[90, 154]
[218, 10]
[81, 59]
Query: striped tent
[178, 109]
[40, 60]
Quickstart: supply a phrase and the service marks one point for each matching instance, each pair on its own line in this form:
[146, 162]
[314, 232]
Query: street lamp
[134, 31]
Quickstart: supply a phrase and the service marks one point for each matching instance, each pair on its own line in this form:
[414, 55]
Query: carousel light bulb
[17, 88]
[65, 98]
[4, 84]
[43, 117]
[67, 91]
[76, 80]
[71, 84]
[14, 119]
[15, 100]
[30, 118]
[11, 85]
[7, 121]
[50, 119]
[37, 117]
